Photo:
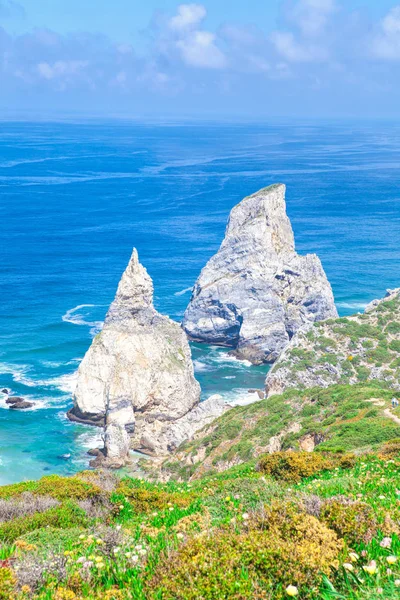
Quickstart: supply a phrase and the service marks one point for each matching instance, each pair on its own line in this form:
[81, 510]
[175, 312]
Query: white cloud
[60, 68]
[196, 47]
[312, 16]
[188, 16]
[199, 49]
[305, 40]
[386, 44]
[290, 49]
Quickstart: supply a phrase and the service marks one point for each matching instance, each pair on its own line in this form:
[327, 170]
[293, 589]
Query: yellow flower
[292, 590]
[348, 566]
[370, 569]
[26, 589]
[228, 499]
[391, 560]
[82, 536]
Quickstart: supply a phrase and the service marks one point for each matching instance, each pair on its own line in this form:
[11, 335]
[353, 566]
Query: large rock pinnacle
[138, 373]
[256, 292]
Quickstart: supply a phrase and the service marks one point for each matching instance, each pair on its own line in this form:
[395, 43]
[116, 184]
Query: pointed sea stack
[137, 375]
[256, 292]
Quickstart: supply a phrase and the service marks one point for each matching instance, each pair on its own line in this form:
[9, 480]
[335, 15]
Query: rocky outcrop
[256, 292]
[137, 379]
[18, 403]
[363, 347]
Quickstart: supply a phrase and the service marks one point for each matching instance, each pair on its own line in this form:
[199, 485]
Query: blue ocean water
[76, 197]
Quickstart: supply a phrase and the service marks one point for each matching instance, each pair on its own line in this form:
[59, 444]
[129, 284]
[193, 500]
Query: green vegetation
[342, 417]
[318, 526]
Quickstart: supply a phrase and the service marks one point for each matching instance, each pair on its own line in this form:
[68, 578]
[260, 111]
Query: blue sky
[219, 58]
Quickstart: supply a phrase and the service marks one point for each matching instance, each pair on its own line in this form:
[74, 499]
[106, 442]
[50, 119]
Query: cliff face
[138, 374]
[361, 348]
[256, 292]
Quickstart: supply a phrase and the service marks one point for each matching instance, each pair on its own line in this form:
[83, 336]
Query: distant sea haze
[75, 199]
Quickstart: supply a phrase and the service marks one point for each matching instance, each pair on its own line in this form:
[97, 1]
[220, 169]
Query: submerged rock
[18, 403]
[137, 378]
[256, 292]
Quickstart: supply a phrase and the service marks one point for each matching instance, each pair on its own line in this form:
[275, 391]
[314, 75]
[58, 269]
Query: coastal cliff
[361, 348]
[137, 379]
[256, 292]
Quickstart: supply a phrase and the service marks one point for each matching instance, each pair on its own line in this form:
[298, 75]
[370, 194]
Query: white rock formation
[138, 374]
[256, 292]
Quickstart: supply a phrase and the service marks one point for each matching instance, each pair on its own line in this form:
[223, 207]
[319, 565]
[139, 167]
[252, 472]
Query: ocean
[75, 197]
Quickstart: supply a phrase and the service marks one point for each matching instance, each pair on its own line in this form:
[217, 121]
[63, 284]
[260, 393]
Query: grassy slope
[356, 349]
[341, 418]
[147, 540]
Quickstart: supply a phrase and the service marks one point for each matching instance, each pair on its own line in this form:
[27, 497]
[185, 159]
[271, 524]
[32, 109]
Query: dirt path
[390, 415]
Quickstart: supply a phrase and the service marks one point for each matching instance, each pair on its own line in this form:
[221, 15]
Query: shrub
[294, 466]
[7, 583]
[393, 328]
[60, 488]
[390, 449]
[281, 547]
[353, 521]
[26, 504]
[145, 500]
[65, 516]
[395, 345]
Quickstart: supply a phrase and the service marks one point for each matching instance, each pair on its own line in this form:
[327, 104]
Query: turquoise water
[76, 197]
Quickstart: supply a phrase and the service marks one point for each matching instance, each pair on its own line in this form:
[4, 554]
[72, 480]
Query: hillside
[299, 524]
[340, 418]
[361, 348]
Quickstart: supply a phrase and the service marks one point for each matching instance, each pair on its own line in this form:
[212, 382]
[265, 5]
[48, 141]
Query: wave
[224, 357]
[20, 374]
[354, 305]
[185, 291]
[200, 367]
[71, 316]
[240, 397]
[38, 403]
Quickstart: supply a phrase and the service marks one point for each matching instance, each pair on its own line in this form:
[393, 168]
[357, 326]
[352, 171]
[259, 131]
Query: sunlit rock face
[138, 372]
[256, 292]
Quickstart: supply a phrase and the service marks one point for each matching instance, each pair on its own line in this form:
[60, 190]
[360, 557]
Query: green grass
[129, 553]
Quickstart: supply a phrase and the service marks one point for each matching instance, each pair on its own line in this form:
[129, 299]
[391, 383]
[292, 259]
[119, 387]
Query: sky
[216, 58]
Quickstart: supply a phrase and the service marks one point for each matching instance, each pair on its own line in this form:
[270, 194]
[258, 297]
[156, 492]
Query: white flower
[171, 508]
[245, 516]
[348, 566]
[180, 536]
[353, 556]
[386, 542]
[135, 558]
